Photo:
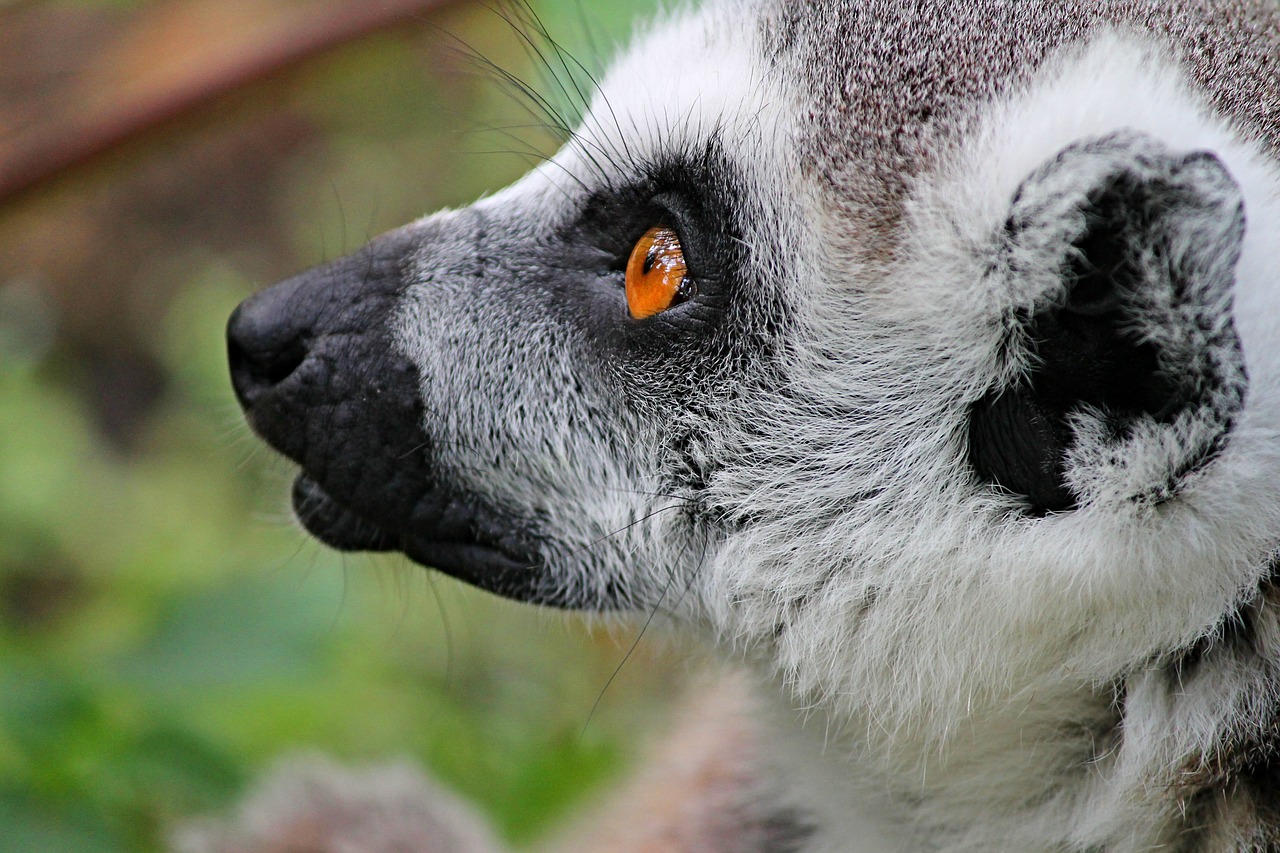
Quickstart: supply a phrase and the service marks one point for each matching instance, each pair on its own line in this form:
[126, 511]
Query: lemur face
[474, 390]
[966, 387]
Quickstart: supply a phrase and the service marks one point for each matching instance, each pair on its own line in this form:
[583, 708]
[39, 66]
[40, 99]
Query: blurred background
[165, 630]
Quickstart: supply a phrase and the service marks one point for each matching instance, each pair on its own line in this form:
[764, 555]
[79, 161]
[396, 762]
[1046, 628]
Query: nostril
[260, 371]
[261, 355]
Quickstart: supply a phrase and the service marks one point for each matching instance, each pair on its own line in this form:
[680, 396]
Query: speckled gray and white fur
[906, 184]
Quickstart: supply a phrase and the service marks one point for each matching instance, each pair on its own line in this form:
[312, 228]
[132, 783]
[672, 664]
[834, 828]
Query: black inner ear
[1087, 352]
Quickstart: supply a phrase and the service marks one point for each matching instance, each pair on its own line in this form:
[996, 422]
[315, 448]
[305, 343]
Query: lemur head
[922, 353]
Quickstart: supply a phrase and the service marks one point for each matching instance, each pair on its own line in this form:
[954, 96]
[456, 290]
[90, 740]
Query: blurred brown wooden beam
[221, 47]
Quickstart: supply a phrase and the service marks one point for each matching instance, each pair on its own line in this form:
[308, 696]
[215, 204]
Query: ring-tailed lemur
[925, 354]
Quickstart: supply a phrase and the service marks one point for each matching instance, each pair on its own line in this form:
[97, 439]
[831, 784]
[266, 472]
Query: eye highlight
[657, 276]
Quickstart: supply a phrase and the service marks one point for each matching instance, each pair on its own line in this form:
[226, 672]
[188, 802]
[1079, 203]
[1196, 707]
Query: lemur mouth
[456, 537]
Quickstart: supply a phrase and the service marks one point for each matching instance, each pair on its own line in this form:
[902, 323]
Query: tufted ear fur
[1123, 370]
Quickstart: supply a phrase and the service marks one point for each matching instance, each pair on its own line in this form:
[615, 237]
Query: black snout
[316, 365]
[273, 333]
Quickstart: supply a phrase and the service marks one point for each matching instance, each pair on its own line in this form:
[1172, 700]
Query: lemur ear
[1123, 369]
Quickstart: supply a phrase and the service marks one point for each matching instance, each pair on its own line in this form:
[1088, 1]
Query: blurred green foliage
[166, 632]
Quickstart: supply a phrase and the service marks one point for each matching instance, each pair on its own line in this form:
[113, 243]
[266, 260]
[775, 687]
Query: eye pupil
[650, 259]
[657, 277]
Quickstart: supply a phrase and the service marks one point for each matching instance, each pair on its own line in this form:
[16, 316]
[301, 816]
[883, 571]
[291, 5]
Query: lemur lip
[488, 568]
[493, 562]
[334, 524]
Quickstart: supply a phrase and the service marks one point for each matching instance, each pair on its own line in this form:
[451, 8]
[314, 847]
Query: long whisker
[653, 612]
[607, 536]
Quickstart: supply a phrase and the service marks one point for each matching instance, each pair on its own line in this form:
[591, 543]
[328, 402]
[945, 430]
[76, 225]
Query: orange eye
[657, 277]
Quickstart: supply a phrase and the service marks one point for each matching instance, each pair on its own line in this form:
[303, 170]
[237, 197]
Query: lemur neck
[1112, 766]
